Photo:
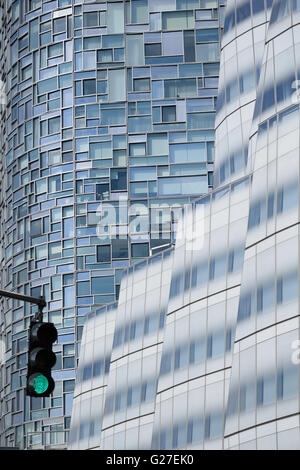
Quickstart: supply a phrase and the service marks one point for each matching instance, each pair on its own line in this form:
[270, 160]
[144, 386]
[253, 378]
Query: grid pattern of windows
[98, 97]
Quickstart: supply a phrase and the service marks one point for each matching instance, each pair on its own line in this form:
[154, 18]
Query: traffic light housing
[41, 359]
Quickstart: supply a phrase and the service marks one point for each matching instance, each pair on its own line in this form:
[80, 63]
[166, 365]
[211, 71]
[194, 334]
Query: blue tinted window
[152, 49]
[243, 12]
[139, 250]
[207, 35]
[229, 21]
[280, 10]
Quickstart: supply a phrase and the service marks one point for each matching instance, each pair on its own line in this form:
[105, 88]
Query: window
[257, 214]
[139, 250]
[169, 113]
[102, 285]
[59, 25]
[104, 254]
[197, 351]
[92, 42]
[195, 430]
[181, 357]
[54, 125]
[158, 144]
[101, 150]
[153, 49]
[287, 288]
[105, 56]
[33, 4]
[287, 198]
[98, 368]
[265, 390]
[191, 152]
[246, 306]
[134, 49]
[112, 116]
[243, 12]
[139, 11]
[33, 34]
[120, 248]
[207, 35]
[265, 296]
[89, 87]
[287, 382]
[180, 88]
[115, 17]
[199, 274]
[55, 50]
[90, 19]
[54, 250]
[280, 10]
[118, 179]
[175, 20]
[137, 150]
[207, 52]
[141, 84]
[116, 82]
[36, 227]
[217, 267]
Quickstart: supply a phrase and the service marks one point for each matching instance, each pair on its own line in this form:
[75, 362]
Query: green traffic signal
[40, 384]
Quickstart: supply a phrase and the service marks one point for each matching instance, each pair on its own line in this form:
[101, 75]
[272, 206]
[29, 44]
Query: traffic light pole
[40, 302]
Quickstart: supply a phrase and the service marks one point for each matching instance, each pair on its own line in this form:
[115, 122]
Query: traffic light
[41, 359]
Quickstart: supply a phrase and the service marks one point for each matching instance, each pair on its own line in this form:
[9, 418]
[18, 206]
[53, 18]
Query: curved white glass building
[263, 405]
[228, 374]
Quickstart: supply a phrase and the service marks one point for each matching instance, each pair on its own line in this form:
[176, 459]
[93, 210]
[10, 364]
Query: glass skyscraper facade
[228, 348]
[107, 129]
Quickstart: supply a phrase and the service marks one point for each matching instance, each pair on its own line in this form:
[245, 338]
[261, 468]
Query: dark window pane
[120, 248]
[118, 179]
[207, 35]
[153, 49]
[90, 19]
[104, 254]
[89, 87]
[102, 191]
[36, 227]
[189, 46]
[139, 250]
[169, 113]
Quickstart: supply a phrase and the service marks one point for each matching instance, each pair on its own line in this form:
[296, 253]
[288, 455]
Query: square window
[90, 19]
[141, 84]
[169, 113]
[59, 25]
[89, 87]
[139, 250]
[55, 50]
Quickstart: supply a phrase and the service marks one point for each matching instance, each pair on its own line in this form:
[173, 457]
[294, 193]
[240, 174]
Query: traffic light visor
[44, 333]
